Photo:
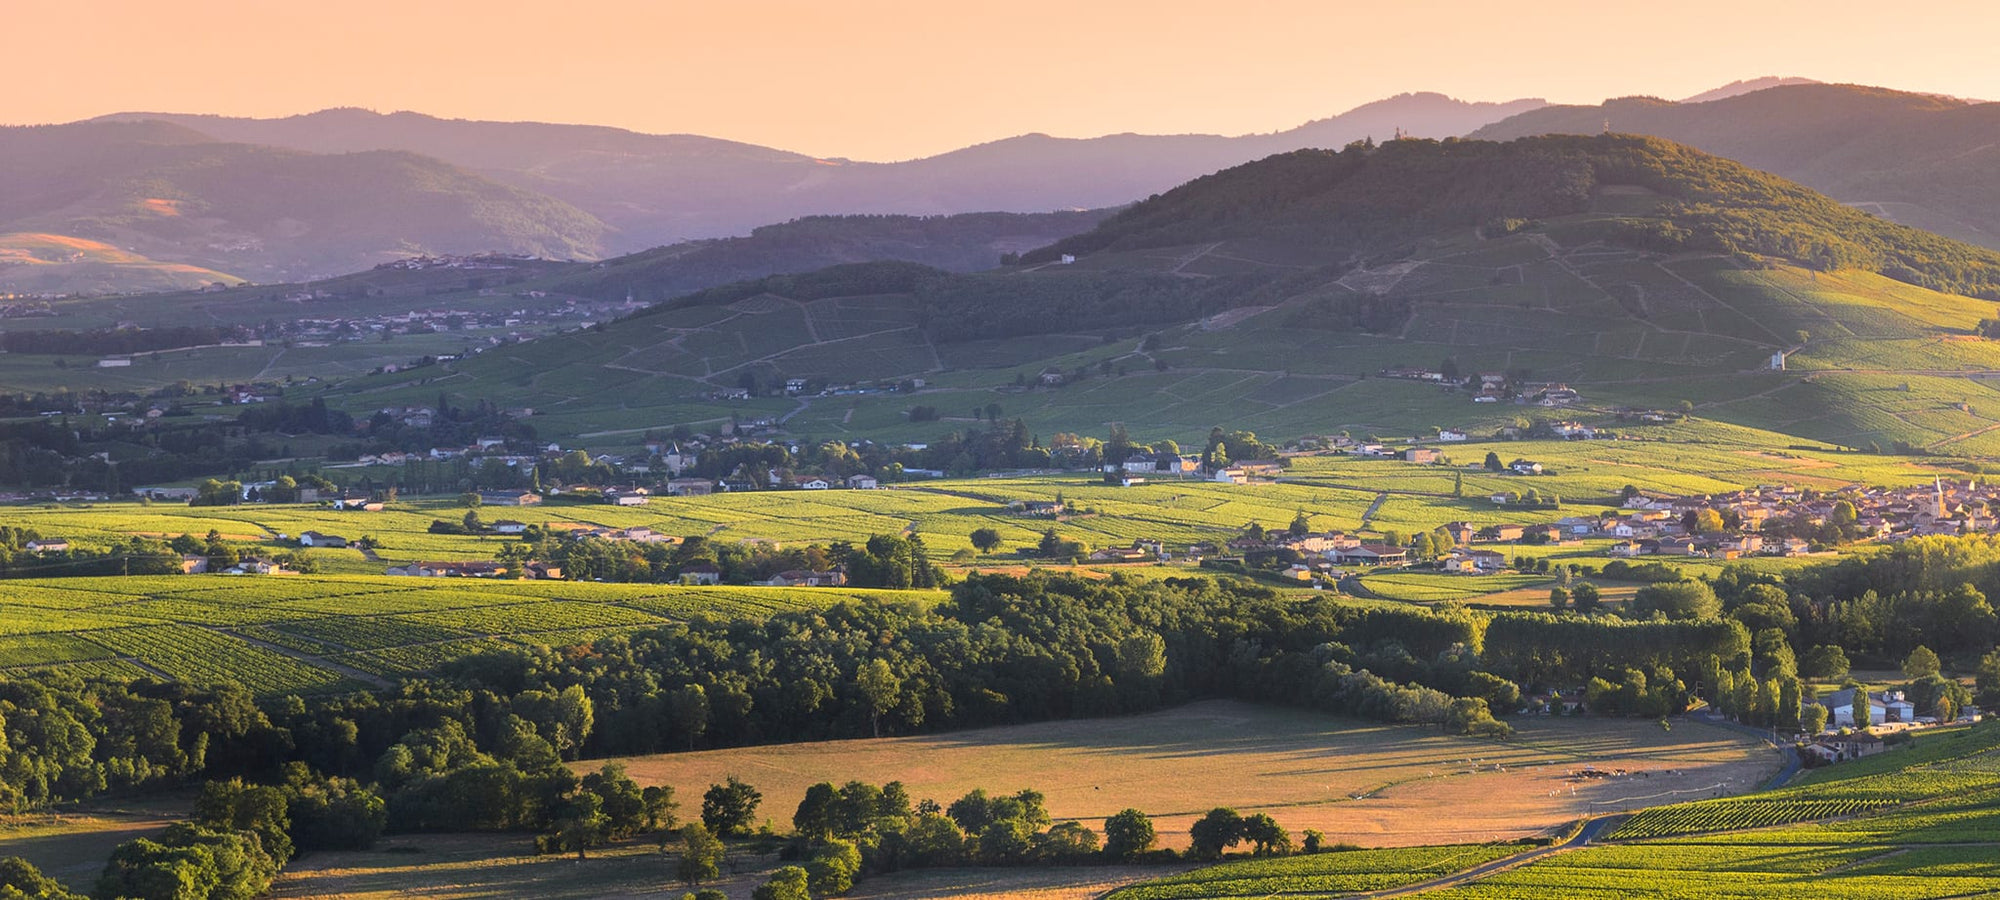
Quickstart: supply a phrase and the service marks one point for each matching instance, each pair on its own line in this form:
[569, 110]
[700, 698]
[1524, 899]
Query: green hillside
[1270, 296]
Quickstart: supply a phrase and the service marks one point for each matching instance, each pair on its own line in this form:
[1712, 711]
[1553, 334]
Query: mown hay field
[1358, 782]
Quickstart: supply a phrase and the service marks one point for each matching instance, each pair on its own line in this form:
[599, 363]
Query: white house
[816, 484]
[316, 539]
[1448, 435]
[862, 482]
[509, 526]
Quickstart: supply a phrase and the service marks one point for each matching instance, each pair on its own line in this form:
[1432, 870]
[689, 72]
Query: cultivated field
[314, 634]
[1364, 783]
[1911, 823]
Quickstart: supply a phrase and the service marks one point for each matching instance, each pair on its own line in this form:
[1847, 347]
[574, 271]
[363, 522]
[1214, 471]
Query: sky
[875, 80]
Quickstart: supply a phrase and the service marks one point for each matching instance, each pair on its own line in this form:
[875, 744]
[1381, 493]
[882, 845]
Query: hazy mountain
[1746, 86]
[1921, 159]
[660, 189]
[179, 197]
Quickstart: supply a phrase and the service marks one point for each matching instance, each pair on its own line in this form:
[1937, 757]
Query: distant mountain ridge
[660, 189]
[181, 198]
[1922, 159]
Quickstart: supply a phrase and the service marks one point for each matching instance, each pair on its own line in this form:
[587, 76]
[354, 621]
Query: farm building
[509, 498]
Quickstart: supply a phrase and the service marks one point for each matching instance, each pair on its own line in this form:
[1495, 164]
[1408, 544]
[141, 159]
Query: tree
[880, 688]
[1493, 463]
[1213, 834]
[814, 819]
[730, 808]
[1558, 598]
[1986, 680]
[787, 883]
[1301, 525]
[1266, 836]
[583, 825]
[1128, 835]
[1686, 599]
[1826, 661]
[831, 871]
[1707, 521]
[1812, 718]
[20, 879]
[689, 706]
[1584, 597]
[701, 854]
[986, 539]
[1919, 663]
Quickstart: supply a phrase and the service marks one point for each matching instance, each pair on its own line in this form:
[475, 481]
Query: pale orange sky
[889, 80]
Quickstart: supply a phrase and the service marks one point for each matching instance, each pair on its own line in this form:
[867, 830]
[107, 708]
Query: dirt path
[318, 662]
[1369, 515]
[1590, 830]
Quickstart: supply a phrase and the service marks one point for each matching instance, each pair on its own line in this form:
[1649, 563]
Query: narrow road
[1583, 837]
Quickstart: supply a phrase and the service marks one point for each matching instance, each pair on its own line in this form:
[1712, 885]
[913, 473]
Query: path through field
[1590, 830]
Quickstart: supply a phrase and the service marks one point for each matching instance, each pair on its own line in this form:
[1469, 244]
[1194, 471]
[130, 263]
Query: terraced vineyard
[313, 634]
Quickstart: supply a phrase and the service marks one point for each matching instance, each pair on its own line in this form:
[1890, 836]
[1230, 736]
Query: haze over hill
[1921, 159]
[658, 189]
[1635, 270]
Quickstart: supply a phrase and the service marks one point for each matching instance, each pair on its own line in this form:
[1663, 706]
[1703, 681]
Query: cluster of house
[1841, 741]
[1491, 387]
[706, 573]
[1655, 526]
[1144, 464]
[474, 569]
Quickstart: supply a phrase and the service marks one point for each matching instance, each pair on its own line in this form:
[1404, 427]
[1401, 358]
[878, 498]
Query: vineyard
[1737, 813]
[314, 634]
[1317, 875]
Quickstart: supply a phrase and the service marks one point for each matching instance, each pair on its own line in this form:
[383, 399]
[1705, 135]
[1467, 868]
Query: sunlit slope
[1273, 296]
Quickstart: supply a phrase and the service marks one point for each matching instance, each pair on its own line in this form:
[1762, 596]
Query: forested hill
[1924, 160]
[967, 242]
[1323, 206]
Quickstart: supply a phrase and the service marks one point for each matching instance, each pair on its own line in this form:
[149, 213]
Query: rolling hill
[1269, 296]
[169, 194]
[1920, 159]
[661, 189]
